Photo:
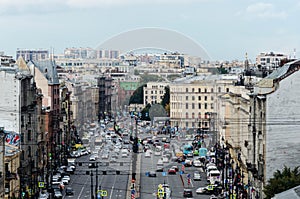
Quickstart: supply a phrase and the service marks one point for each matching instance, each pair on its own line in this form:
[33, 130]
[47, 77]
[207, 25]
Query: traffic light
[50, 156]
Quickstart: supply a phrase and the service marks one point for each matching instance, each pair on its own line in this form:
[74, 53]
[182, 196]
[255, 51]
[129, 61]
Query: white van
[214, 176]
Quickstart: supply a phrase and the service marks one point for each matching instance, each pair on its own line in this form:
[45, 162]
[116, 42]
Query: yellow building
[12, 164]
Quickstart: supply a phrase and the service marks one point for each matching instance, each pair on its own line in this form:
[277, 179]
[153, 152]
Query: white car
[92, 158]
[65, 181]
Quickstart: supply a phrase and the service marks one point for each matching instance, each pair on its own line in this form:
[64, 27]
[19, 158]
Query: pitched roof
[293, 193]
[48, 68]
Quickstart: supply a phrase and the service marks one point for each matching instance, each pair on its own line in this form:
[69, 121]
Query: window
[227, 90]
[199, 105]
[211, 98]
[219, 89]
[205, 90]
[29, 135]
[187, 115]
[211, 90]
[193, 90]
[193, 98]
[205, 98]
[186, 97]
[199, 98]
[212, 106]
[146, 92]
[193, 106]
[193, 116]
[199, 90]
[199, 115]
[186, 105]
[187, 90]
[205, 105]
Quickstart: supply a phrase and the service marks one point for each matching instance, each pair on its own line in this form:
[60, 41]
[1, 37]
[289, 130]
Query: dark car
[69, 191]
[187, 193]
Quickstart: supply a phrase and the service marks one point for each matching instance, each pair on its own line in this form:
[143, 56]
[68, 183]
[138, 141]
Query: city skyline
[227, 30]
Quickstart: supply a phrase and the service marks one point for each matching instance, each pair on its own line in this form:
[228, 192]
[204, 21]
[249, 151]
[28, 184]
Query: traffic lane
[114, 185]
[149, 184]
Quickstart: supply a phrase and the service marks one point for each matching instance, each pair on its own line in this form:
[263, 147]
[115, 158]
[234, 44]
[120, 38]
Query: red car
[172, 170]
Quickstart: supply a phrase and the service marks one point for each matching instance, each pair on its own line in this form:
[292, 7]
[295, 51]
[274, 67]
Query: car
[159, 168]
[44, 195]
[197, 163]
[67, 177]
[175, 167]
[57, 194]
[197, 176]
[187, 193]
[147, 154]
[69, 191]
[213, 197]
[188, 163]
[92, 158]
[157, 153]
[65, 181]
[152, 174]
[172, 170]
[206, 190]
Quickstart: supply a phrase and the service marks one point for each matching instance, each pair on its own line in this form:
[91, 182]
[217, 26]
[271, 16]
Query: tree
[282, 181]
[137, 96]
[166, 98]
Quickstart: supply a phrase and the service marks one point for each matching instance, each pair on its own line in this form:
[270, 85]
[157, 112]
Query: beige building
[154, 92]
[12, 164]
[193, 99]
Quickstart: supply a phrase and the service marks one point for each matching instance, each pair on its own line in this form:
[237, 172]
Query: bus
[187, 149]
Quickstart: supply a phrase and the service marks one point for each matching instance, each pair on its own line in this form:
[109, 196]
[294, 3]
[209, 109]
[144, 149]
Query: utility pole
[96, 187]
[92, 191]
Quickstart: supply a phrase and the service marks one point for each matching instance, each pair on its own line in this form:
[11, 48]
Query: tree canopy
[137, 96]
[282, 181]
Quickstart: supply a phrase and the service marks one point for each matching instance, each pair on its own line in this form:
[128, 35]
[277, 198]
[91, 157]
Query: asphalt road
[177, 182]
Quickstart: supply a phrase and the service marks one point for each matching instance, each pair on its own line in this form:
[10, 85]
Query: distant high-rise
[32, 54]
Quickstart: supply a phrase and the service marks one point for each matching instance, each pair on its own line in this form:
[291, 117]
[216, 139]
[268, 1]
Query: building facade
[154, 92]
[193, 99]
[32, 54]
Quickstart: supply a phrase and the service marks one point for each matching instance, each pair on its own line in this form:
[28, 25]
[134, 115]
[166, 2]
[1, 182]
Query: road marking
[83, 188]
[112, 189]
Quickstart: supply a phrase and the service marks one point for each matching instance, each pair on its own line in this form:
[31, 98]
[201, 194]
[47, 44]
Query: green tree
[282, 181]
[137, 96]
[166, 100]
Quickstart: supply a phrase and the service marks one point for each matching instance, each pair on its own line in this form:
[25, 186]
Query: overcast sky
[226, 29]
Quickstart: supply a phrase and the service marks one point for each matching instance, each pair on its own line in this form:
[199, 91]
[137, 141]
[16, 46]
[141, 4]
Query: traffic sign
[41, 184]
[164, 173]
[132, 191]
[160, 192]
[102, 192]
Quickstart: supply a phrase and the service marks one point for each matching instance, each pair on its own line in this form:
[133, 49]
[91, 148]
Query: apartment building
[32, 54]
[273, 129]
[193, 99]
[154, 92]
[270, 61]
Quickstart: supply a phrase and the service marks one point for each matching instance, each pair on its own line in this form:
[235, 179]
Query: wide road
[113, 183]
[176, 182]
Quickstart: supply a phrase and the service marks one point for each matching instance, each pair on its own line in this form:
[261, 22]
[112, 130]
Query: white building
[154, 92]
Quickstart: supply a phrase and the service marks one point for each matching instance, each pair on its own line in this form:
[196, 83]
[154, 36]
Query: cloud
[263, 11]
